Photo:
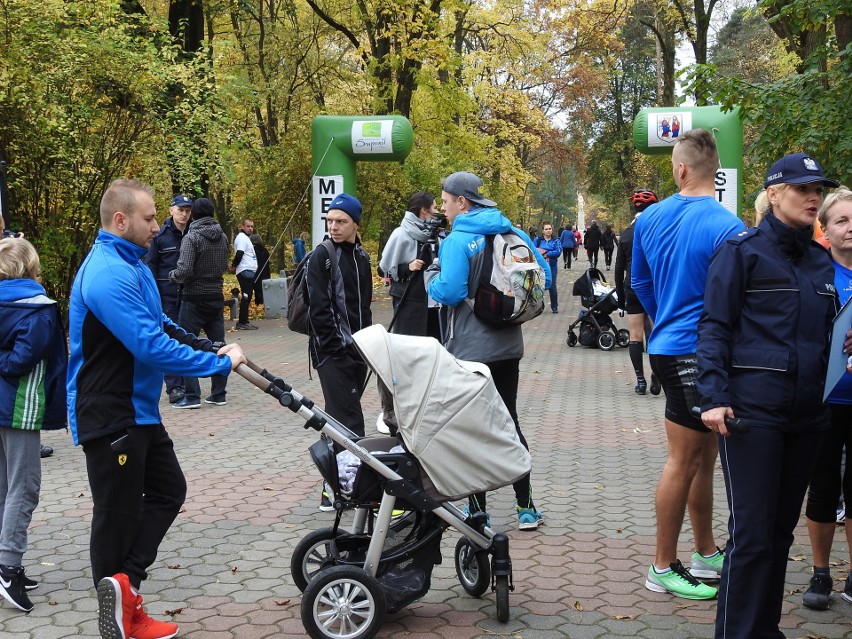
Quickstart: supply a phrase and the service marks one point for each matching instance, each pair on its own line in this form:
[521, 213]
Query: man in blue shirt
[672, 246]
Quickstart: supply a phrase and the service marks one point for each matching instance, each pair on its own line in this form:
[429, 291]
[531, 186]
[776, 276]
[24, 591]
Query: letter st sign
[726, 188]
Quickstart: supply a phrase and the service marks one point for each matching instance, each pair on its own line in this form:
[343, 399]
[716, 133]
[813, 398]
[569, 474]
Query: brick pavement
[223, 570]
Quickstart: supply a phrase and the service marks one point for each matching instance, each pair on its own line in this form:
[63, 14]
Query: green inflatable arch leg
[337, 143]
[656, 130]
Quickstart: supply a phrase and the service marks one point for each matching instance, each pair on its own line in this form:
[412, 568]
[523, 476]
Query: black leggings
[826, 480]
[505, 374]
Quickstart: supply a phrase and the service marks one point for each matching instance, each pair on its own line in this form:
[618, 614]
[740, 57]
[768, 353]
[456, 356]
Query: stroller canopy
[585, 284]
[448, 412]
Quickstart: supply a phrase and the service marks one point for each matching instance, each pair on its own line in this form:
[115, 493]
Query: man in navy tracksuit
[340, 306]
[120, 344]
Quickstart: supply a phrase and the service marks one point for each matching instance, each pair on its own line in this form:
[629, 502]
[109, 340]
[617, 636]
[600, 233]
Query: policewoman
[762, 353]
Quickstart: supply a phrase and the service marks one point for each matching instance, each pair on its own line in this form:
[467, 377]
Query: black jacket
[623, 259]
[763, 335]
[203, 261]
[162, 258]
[339, 303]
[593, 238]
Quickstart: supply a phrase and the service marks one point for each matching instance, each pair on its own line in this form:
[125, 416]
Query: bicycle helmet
[642, 199]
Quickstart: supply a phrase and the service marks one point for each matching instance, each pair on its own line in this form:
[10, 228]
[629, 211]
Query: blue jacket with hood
[121, 343]
[454, 279]
[33, 358]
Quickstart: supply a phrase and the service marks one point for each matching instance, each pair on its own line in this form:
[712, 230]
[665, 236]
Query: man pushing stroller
[121, 343]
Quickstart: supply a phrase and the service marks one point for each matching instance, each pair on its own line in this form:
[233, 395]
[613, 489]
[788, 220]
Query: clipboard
[836, 357]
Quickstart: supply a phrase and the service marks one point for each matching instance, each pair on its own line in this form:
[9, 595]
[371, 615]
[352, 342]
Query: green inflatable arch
[337, 143]
[656, 130]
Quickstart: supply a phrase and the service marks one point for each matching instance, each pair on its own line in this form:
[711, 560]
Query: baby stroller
[596, 325]
[352, 576]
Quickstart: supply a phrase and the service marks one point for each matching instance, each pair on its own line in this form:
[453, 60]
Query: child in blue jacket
[33, 362]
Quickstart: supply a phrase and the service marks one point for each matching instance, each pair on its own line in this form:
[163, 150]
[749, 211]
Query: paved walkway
[223, 570]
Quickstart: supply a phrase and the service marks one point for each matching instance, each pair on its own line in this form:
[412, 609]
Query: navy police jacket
[162, 258]
[763, 334]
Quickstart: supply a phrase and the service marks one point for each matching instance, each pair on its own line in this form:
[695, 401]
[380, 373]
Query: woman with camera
[409, 250]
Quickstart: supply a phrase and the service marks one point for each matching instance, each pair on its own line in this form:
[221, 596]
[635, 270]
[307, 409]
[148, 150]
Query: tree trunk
[186, 23]
[843, 30]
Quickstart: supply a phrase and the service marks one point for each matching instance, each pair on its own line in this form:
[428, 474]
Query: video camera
[435, 224]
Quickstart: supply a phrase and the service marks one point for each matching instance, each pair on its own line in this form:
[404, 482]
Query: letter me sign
[337, 143]
[656, 130]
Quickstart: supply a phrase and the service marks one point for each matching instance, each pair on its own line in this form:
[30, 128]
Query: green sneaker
[679, 582]
[707, 567]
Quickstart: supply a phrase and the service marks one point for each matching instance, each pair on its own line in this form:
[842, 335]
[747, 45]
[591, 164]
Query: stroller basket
[411, 551]
[413, 545]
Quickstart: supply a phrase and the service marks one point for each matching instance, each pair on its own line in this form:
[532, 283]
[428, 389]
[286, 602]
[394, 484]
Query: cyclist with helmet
[638, 322]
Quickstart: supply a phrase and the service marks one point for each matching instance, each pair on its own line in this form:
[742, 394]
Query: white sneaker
[381, 426]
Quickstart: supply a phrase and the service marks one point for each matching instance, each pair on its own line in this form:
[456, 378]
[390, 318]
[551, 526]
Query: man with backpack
[454, 281]
[340, 289]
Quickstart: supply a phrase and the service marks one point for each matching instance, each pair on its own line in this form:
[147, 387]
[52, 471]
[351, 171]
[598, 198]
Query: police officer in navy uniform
[162, 259]
[762, 353]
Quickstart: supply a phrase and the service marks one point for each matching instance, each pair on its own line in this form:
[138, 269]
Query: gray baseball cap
[466, 184]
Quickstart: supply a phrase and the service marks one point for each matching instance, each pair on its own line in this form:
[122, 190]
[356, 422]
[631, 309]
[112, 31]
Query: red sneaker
[116, 605]
[143, 627]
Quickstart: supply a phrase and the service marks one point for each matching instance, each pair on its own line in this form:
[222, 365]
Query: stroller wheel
[501, 588]
[312, 554]
[623, 337]
[606, 341]
[343, 602]
[572, 339]
[472, 567]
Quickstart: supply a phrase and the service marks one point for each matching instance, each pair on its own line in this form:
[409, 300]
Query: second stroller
[594, 326]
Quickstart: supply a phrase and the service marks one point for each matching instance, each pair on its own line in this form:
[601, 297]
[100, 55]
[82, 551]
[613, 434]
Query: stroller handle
[283, 392]
[288, 397]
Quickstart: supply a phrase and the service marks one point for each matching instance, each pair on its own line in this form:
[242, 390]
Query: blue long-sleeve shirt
[121, 343]
[673, 242]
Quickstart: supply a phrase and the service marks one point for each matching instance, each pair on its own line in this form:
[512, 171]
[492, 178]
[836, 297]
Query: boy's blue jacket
[450, 282]
[33, 358]
[121, 343]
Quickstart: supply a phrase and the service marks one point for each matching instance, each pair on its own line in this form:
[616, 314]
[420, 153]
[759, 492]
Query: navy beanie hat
[202, 207]
[348, 204]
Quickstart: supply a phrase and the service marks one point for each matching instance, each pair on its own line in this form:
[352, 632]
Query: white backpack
[511, 283]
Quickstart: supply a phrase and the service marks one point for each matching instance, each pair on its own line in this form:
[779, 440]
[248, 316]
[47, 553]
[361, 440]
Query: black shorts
[678, 375]
[631, 303]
